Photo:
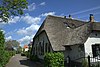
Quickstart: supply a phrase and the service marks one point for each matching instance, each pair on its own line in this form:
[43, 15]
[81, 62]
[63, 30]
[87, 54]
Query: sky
[23, 28]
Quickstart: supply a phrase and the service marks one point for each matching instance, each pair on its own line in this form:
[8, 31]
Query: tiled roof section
[25, 46]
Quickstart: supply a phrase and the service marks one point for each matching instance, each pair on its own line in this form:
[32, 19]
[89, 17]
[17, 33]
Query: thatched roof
[79, 35]
[96, 26]
[65, 31]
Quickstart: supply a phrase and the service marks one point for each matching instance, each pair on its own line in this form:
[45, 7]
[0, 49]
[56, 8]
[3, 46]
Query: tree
[19, 49]
[10, 8]
[12, 44]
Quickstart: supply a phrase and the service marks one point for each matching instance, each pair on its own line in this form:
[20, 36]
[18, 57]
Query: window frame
[96, 52]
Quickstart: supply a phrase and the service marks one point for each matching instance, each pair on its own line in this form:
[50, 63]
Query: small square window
[68, 48]
[96, 50]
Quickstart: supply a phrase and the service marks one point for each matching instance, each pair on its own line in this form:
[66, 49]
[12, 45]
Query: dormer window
[66, 24]
[73, 26]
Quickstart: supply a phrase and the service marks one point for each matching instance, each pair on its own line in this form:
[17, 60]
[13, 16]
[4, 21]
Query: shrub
[2, 51]
[84, 63]
[29, 52]
[12, 53]
[54, 59]
[4, 55]
[34, 58]
[25, 53]
[4, 58]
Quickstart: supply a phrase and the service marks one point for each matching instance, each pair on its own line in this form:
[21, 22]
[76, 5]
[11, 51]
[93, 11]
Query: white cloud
[30, 20]
[14, 19]
[22, 31]
[3, 31]
[26, 18]
[42, 4]
[28, 33]
[26, 39]
[32, 28]
[32, 7]
[49, 13]
[29, 30]
[9, 38]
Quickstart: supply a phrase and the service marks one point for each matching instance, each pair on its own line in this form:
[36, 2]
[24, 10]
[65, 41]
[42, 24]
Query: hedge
[4, 55]
[55, 59]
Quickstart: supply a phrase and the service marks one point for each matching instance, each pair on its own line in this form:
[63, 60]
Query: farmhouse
[26, 48]
[75, 38]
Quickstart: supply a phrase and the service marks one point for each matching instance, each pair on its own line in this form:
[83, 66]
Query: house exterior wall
[41, 45]
[26, 49]
[94, 38]
[75, 53]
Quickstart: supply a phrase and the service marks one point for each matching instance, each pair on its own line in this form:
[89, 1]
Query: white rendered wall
[94, 38]
[26, 49]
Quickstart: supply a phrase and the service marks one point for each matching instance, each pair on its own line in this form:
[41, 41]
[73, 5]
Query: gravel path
[21, 61]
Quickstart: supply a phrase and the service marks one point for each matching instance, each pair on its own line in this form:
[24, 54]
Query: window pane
[96, 50]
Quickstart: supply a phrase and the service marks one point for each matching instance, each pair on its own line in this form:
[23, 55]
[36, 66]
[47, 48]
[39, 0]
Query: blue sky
[23, 28]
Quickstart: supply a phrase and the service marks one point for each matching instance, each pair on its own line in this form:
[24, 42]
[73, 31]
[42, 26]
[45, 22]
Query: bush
[34, 58]
[54, 59]
[4, 58]
[84, 63]
[12, 53]
[4, 55]
[25, 53]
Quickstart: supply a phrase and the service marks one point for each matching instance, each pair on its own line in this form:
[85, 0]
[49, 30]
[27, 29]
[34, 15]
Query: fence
[83, 61]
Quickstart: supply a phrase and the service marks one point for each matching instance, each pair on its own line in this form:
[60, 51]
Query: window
[66, 24]
[81, 48]
[43, 48]
[95, 34]
[46, 49]
[96, 50]
[36, 49]
[68, 48]
[40, 48]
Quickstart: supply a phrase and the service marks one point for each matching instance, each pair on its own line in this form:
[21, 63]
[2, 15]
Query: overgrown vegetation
[19, 50]
[84, 63]
[4, 55]
[29, 52]
[55, 59]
